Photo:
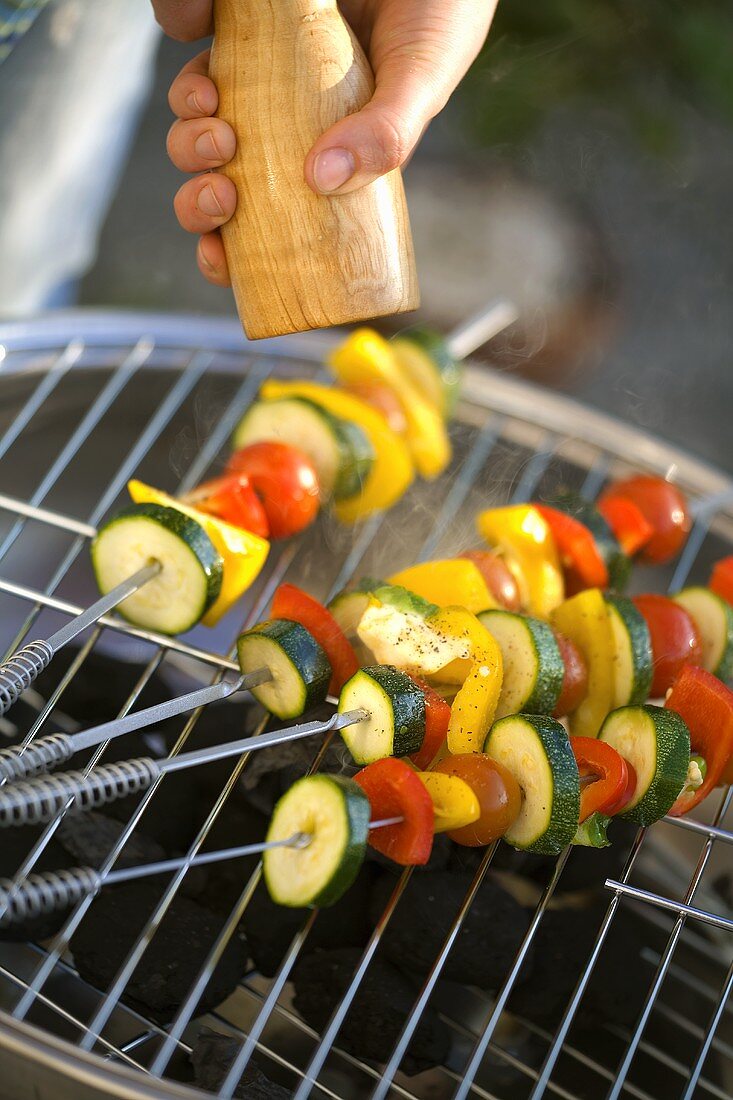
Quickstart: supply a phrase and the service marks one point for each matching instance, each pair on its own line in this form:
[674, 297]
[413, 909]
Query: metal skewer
[46, 891]
[26, 664]
[34, 801]
[39, 756]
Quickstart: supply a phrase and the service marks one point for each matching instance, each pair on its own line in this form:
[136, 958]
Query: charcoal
[270, 772]
[377, 1014]
[236, 823]
[100, 687]
[270, 928]
[172, 817]
[486, 944]
[173, 958]
[89, 838]
[562, 945]
[15, 846]
[211, 1057]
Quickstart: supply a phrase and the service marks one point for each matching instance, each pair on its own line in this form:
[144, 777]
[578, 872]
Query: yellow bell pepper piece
[584, 619]
[365, 356]
[392, 471]
[474, 706]
[521, 533]
[452, 581]
[242, 552]
[454, 803]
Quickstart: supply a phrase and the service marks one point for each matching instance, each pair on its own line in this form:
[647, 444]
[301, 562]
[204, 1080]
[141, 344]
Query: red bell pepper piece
[395, 790]
[437, 717]
[232, 499]
[628, 523]
[705, 705]
[581, 559]
[663, 505]
[293, 603]
[609, 788]
[721, 579]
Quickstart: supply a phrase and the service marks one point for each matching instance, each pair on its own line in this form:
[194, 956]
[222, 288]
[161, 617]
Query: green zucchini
[532, 663]
[536, 750]
[617, 562]
[656, 742]
[633, 661]
[423, 355]
[713, 618]
[339, 449]
[396, 709]
[189, 581]
[592, 832]
[300, 670]
[334, 812]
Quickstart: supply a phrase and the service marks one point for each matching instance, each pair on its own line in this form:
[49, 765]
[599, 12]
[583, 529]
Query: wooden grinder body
[286, 71]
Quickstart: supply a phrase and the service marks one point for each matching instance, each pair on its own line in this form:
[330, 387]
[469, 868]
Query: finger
[185, 20]
[192, 94]
[211, 259]
[205, 203]
[420, 50]
[197, 144]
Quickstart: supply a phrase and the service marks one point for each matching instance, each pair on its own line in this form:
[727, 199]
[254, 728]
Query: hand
[419, 50]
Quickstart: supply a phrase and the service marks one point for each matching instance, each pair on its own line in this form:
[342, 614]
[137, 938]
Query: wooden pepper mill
[286, 71]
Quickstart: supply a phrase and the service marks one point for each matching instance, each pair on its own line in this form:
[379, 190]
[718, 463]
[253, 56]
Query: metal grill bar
[672, 906]
[270, 1004]
[668, 953]
[709, 1037]
[58, 369]
[45, 515]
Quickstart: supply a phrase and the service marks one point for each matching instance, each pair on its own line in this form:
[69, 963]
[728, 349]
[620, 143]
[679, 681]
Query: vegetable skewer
[39, 799]
[26, 664]
[46, 891]
[49, 752]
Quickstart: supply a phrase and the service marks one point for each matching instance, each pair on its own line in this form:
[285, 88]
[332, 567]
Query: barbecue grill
[89, 400]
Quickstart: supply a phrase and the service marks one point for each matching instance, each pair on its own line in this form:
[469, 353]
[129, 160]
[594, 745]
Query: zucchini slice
[339, 449]
[633, 661]
[423, 355]
[713, 617]
[533, 665]
[299, 668]
[396, 709]
[656, 742]
[192, 570]
[536, 750]
[334, 812]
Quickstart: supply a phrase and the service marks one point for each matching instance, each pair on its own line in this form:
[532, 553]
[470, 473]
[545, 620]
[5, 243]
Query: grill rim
[489, 390]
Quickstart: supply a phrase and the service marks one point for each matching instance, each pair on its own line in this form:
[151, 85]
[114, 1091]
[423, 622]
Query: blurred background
[584, 168]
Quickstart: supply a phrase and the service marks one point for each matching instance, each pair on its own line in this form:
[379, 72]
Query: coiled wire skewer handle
[35, 801]
[19, 671]
[26, 664]
[23, 761]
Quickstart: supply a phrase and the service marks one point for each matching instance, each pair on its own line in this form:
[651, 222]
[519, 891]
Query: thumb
[380, 137]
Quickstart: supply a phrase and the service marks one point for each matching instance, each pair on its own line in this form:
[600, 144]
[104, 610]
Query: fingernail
[193, 103]
[204, 258]
[205, 146]
[332, 169]
[208, 203]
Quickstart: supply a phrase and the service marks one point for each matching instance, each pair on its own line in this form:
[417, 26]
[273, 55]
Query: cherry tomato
[232, 499]
[575, 678]
[437, 718]
[384, 400]
[497, 791]
[284, 480]
[675, 640]
[499, 579]
[290, 602]
[721, 579]
[663, 506]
